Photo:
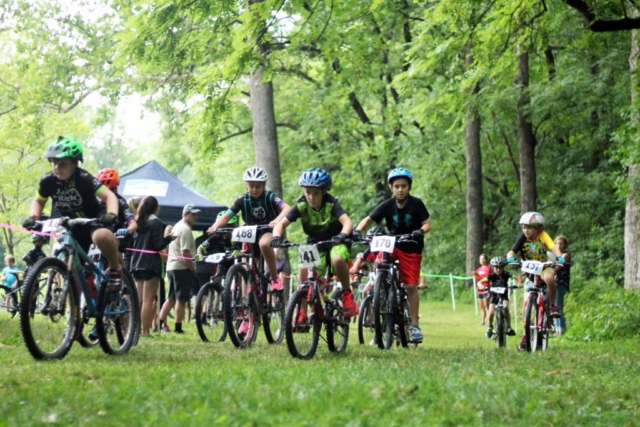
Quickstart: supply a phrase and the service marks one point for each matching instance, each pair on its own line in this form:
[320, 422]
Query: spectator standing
[483, 286]
[563, 276]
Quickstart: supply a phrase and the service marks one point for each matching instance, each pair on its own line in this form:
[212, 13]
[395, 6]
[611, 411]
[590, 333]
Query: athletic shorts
[408, 266]
[144, 275]
[483, 295]
[495, 298]
[341, 251]
[180, 284]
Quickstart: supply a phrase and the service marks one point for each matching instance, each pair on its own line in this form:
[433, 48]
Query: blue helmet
[315, 177]
[400, 173]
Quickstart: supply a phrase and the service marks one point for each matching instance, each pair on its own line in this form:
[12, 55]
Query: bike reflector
[533, 267]
[246, 234]
[383, 244]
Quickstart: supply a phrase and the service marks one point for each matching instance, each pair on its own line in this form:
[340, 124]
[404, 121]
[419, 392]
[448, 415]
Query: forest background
[497, 107]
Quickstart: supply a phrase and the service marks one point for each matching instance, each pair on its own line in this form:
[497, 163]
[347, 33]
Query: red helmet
[109, 177]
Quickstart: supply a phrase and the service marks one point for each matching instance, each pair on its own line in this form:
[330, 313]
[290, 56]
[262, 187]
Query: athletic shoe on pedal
[416, 334]
[555, 311]
[276, 284]
[350, 308]
[115, 280]
[489, 332]
[244, 327]
[511, 332]
[93, 333]
[522, 346]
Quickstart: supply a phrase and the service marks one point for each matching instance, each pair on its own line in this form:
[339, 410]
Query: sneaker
[555, 311]
[350, 308]
[522, 346]
[489, 332]
[302, 317]
[276, 284]
[115, 279]
[244, 327]
[416, 334]
[165, 327]
[93, 333]
[511, 332]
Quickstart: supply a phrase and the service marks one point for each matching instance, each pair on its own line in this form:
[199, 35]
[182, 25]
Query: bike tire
[366, 328]
[273, 316]
[302, 337]
[543, 333]
[238, 309]
[48, 328]
[210, 314]
[404, 324]
[8, 301]
[501, 329]
[118, 317]
[337, 326]
[530, 325]
[382, 312]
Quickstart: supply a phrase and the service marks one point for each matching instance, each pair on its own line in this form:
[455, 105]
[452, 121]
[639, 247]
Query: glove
[276, 241]
[122, 232]
[29, 223]
[339, 238]
[560, 259]
[511, 259]
[198, 257]
[417, 234]
[108, 219]
[357, 234]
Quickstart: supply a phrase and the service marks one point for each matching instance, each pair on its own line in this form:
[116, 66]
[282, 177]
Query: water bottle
[91, 283]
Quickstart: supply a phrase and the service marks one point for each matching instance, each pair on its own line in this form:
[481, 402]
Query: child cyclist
[404, 214]
[323, 218]
[367, 258]
[76, 193]
[533, 244]
[259, 206]
[36, 253]
[126, 217]
[500, 279]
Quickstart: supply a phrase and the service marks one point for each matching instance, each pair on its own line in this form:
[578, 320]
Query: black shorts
[483, 296]
[180, 284]
[255, 247]
[144, 275]
[495, 298]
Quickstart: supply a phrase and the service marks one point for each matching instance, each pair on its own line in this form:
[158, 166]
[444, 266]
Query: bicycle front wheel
[543, 330]
[501, 328]
[48, 324]
[382, 311]
[366, 329]
[273, 317]
[118, 318]
[301, 325]
[530, 322]
[239, 315]
[209, 313]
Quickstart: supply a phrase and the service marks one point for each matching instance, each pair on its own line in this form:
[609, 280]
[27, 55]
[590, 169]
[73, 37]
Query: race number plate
[383, 244]
[52, 226]
[93, 250]
[246, 234]
[498, 290]
[533, 267]
[309, 256]
[214, 259]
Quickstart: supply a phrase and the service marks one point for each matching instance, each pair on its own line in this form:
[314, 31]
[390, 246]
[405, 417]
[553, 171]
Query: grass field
[457, 377]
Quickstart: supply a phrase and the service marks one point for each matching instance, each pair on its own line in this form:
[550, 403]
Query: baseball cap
[190, 208]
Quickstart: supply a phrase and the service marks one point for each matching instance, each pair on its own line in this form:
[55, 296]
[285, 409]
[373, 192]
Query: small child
[10, 279]
[323, 218]
[367, 258]
[498, 278]
[36, 253]
[259, 206]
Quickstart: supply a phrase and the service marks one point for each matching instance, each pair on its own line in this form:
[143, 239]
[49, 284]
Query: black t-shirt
[75, 197]
[499, 281]
[34, 255]
[402, 221]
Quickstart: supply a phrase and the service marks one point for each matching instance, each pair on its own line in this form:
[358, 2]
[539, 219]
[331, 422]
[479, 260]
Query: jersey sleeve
[237, 206]
[517, 246]
[547, 240]
[337, 211]
[378, 213]
[294, 214]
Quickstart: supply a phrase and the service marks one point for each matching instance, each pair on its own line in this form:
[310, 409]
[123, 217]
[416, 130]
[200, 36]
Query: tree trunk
[475, 229]
[631, 218]
[526, 138]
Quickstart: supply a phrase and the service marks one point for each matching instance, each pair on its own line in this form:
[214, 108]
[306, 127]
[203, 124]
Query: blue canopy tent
[152, 179]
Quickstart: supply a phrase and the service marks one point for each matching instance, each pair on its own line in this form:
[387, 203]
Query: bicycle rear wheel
[209, 313]
[118, 318]
[366, 329]
[382, 311]
[301, 325]
[530, 324]
[239, 315]
[543, 331]
[273, 317]
[501, 328]
[48, 324]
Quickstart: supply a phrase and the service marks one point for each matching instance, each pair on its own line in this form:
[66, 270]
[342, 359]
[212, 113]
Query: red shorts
[408, 266]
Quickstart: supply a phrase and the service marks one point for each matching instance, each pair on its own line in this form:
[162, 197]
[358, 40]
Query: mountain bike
[537, 319]
[310, 307]
[209, 310]
[502, 322]
[248, 298]
[366, 328]
[10, 298]
[391, 313]
[51, 323]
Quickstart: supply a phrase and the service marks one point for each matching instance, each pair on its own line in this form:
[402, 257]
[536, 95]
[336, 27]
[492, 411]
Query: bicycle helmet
[36, 237]
[255, 174]
[109, 177]
[498, 262]
[376, 231]
[400, 173]
[532, 218]
[315, 177]
[232, 222]
[64, 147]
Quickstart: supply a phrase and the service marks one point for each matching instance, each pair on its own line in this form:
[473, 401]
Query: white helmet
[255, 174]
[532, 218]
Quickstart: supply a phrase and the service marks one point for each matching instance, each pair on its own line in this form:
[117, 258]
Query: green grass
[457, 377]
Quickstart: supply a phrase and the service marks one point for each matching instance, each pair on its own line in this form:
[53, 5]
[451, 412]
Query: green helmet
[232, 222]
[64, 147]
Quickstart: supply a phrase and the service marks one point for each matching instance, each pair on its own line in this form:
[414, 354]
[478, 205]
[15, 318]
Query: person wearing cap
[180, 268]
[36, 253]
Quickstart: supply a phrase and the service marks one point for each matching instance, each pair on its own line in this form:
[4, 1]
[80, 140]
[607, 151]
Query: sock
[178, 327]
